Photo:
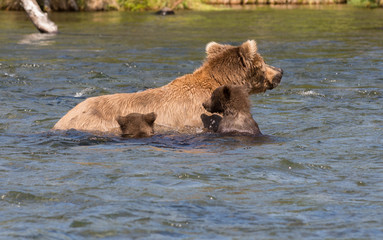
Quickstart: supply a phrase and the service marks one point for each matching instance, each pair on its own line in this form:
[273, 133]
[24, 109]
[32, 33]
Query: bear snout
[277, 78]
[273, 76]
[206, 105]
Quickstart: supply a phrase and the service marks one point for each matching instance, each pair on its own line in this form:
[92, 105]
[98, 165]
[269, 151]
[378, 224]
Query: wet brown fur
[136, 125]
[179, 103]
[233, 103]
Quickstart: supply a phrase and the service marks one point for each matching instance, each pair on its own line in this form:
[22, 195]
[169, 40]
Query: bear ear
[226, 92]
[248, 50]
[213, 49]
[150, 118]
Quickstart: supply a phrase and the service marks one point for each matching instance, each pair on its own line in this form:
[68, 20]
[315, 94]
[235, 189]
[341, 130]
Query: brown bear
[179, 103]
[233, 103]
[136, 125]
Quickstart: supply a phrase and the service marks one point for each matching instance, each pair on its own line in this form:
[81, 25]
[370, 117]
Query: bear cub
[136, 125]
[233, 103]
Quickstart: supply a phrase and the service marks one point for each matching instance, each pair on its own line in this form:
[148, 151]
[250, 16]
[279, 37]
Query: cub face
[137, 125]
[228, 99]
[215, 104]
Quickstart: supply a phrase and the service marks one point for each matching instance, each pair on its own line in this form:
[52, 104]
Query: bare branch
[38, 18]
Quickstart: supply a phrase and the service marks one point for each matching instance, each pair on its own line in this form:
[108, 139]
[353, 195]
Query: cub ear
[226, 92]
[248, 50]
[150, 118]
[213, 49]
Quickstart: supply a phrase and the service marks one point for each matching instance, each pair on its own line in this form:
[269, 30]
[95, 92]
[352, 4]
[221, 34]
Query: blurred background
[316, 174]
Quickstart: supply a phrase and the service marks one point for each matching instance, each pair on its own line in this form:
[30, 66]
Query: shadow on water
[208, 142]
[211, 142]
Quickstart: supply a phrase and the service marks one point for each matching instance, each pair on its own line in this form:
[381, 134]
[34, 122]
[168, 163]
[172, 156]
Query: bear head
[228, 99]
[137, 125]
[241, 65]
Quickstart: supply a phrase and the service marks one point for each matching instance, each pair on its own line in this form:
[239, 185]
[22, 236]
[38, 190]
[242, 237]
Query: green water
[316, 175]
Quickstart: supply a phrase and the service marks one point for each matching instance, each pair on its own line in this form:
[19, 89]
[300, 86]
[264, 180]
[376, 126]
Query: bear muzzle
[273, 76]
[207, 105]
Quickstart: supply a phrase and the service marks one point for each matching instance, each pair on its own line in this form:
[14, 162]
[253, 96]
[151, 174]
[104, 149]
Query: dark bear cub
[135, 125]
[233, 102]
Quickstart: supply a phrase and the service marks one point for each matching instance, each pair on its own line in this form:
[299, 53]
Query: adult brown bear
[178, 104]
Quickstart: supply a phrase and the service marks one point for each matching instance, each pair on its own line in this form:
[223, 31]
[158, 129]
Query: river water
[318, 172]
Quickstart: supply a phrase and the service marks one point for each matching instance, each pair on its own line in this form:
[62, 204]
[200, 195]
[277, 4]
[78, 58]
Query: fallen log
[38, 17]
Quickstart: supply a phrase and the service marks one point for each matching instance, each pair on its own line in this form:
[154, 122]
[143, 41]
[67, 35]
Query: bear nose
[277, 78]
[279, 70]
[206, 106]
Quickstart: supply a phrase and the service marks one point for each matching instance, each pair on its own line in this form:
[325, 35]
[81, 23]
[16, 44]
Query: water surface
[317, 174]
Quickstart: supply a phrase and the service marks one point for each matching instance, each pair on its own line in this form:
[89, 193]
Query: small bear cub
[233, 102]
[136, 125]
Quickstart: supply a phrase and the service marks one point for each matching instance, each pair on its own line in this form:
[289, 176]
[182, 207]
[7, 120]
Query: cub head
[228, 99]
[137, 125]
[241, 65]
